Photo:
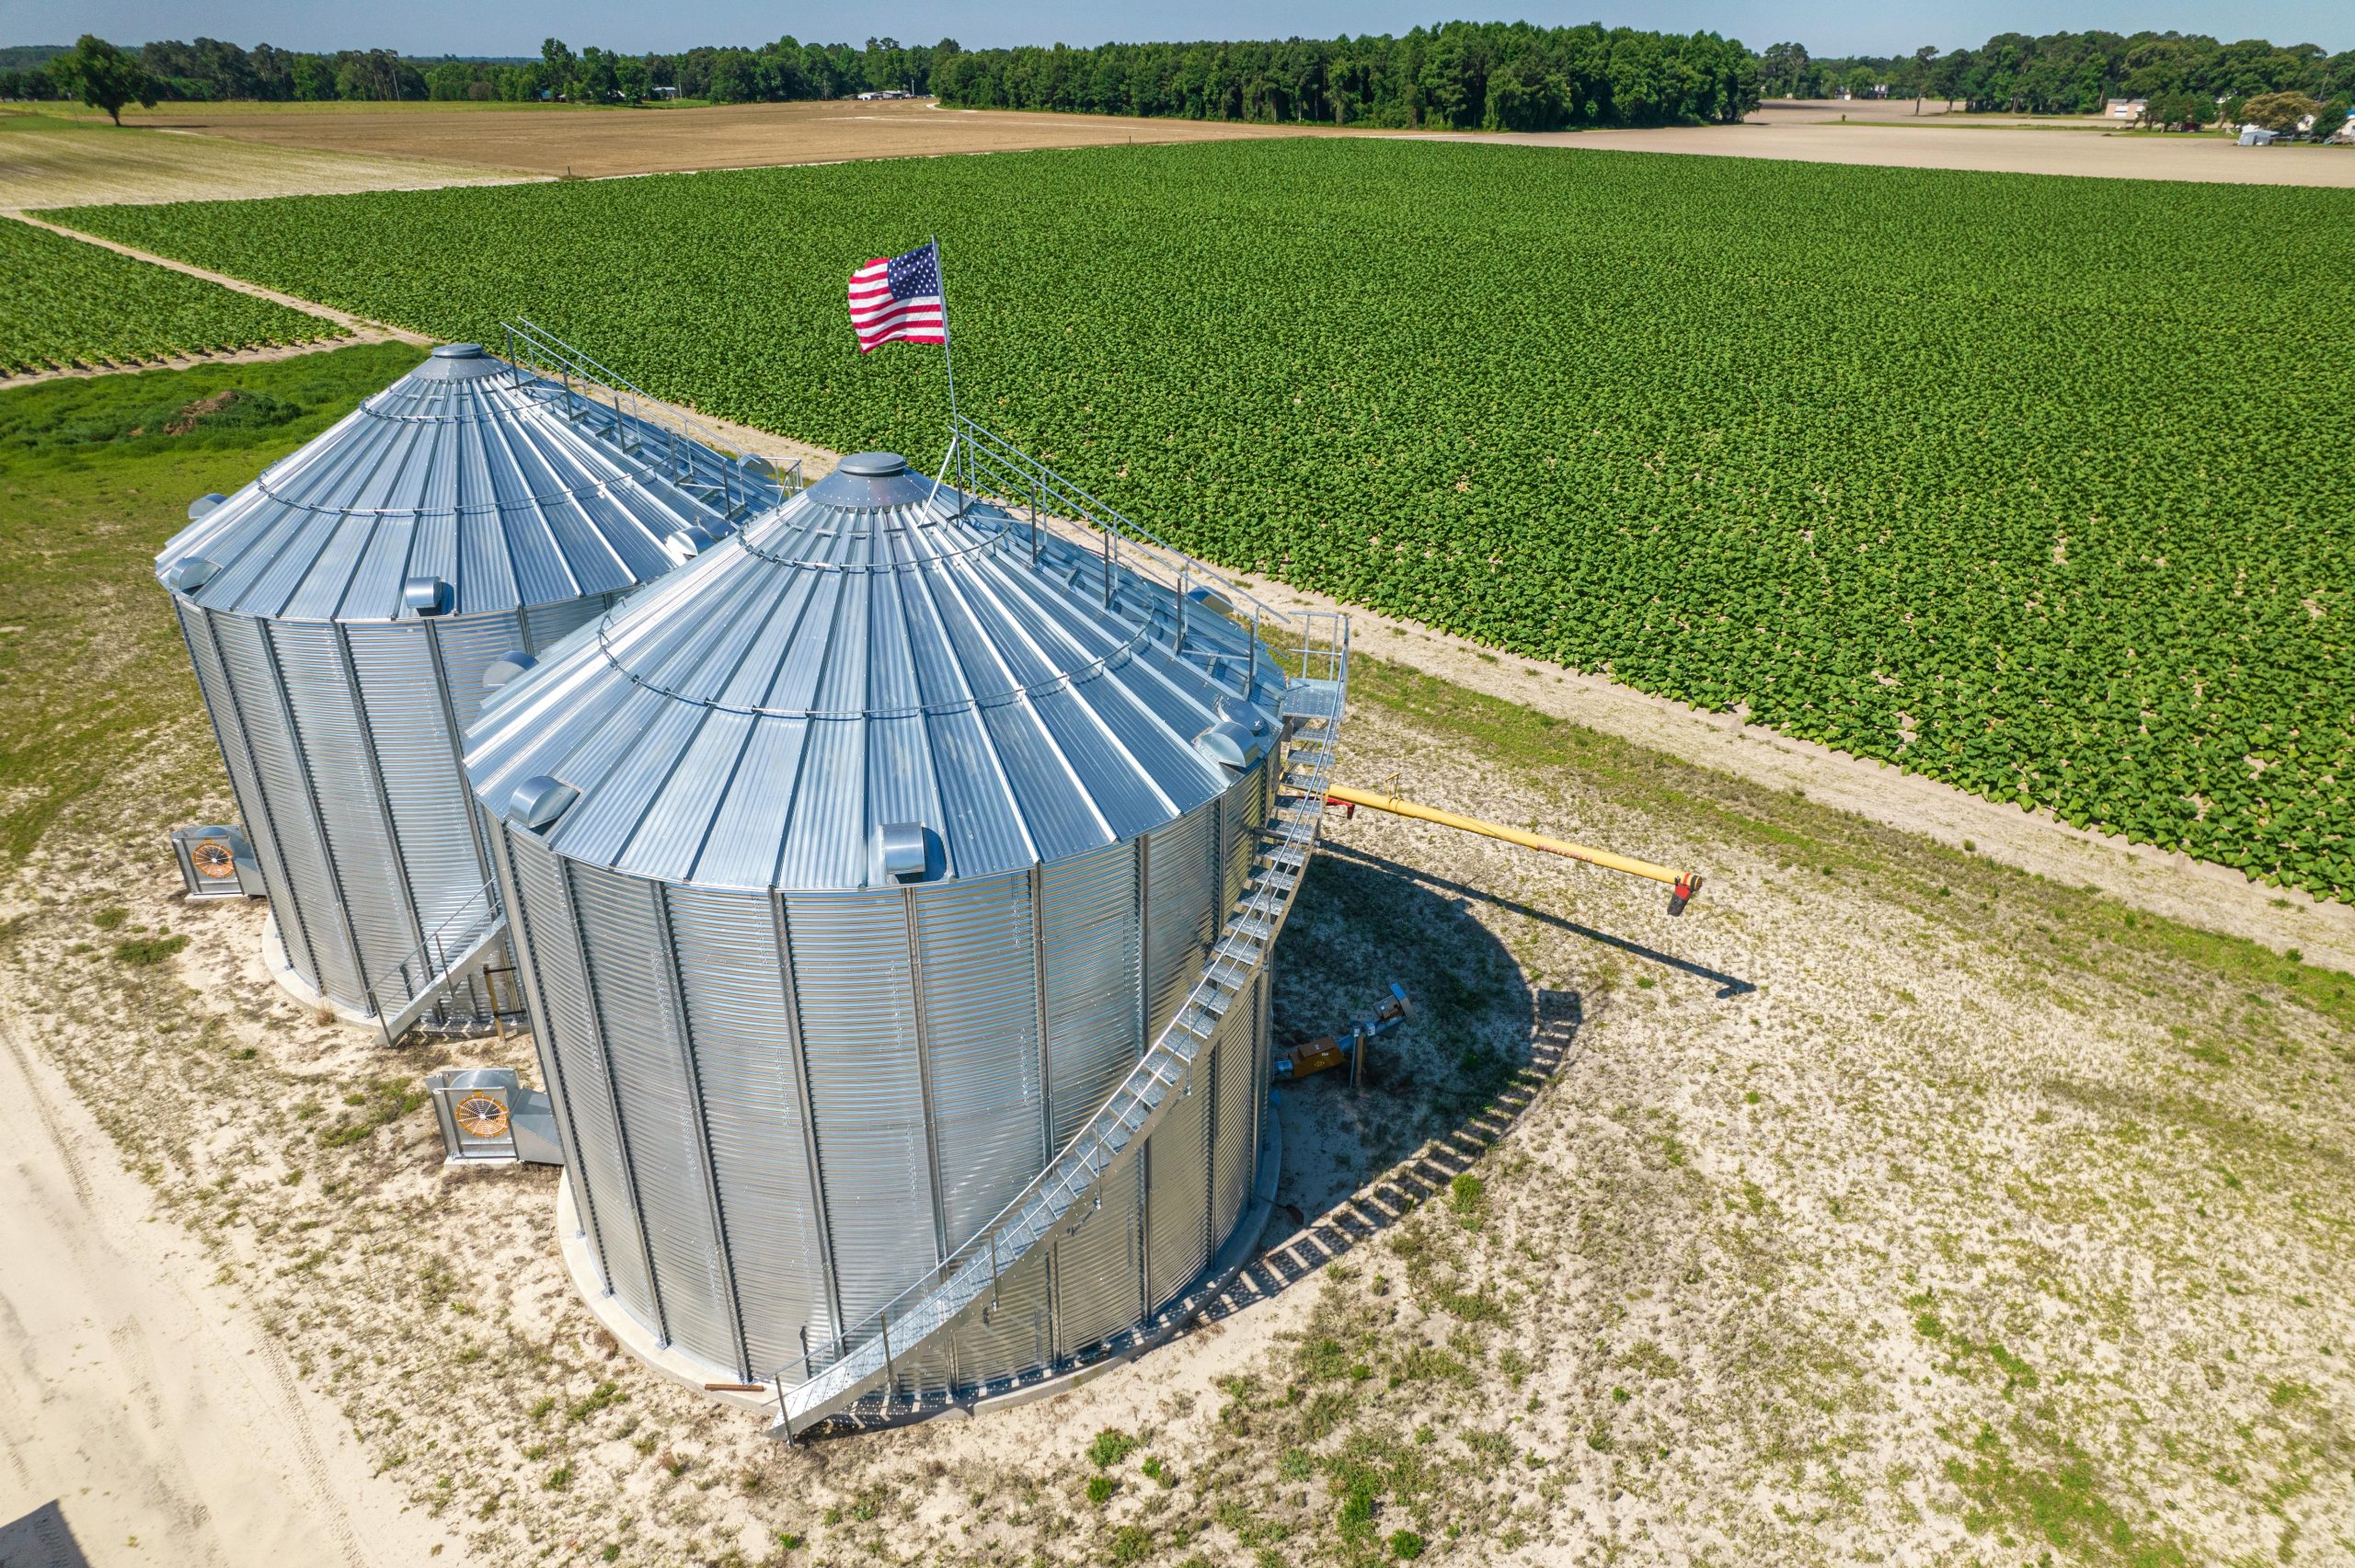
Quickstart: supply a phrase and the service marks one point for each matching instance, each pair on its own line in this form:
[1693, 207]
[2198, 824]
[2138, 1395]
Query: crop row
[2031, 485]
[68, 303]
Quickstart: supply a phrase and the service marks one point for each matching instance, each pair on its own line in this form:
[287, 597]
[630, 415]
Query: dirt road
[153, 1412]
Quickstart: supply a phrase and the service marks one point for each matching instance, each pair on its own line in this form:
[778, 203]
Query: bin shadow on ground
[41, 1539]
[1482, 1043]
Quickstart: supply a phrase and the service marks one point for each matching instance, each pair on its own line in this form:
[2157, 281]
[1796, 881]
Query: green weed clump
[143, 952]
[383, 1102]
[1110, 1446]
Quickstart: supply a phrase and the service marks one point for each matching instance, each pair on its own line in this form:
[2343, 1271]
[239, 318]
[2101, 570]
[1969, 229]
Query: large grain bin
[346, 609]
[850, 869]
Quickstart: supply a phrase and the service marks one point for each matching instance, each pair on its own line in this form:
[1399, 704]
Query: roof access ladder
[966, 1281]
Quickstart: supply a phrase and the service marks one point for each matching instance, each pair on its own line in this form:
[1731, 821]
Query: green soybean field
[2040, 486]
[71, 304]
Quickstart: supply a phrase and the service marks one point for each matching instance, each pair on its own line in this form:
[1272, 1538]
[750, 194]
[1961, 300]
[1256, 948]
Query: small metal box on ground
[488, 1116]
[217, 863]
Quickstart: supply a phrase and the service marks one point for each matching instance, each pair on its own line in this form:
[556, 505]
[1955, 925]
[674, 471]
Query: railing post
[891, 1371]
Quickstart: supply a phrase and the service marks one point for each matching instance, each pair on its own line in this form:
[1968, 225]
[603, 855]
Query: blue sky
[516, 26]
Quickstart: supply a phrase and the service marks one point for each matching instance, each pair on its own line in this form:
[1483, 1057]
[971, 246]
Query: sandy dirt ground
[1891, 1206]
[135, 1394]
[51, 163]
[1891, 135]
[587, 143]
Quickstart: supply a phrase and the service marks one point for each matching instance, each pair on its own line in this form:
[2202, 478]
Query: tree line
[1462, 76]
[209, 71]
[2185, 77]
[1459, 75]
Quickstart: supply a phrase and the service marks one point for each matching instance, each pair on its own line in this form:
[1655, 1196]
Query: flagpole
[947, 354]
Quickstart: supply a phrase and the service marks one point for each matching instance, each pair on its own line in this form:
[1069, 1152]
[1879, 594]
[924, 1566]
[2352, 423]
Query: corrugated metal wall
[1088, 929]
[301, 846]
[1235, 1152]
[253, 802]
[824, 1119]
[631, 976]
[341, 751]
[1177, 1178]
[1099, 1282]
[739, 1015]
[545, 927]
[432, 811]
[1181, 912]
[341, 765]
[852, 979]
[981, 1038]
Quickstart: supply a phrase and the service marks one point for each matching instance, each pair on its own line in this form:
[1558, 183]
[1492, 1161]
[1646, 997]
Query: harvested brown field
[55, 161]
[595, 142]
[585, 142]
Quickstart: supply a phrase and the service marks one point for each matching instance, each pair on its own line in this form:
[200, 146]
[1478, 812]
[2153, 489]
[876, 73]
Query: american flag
[898, 299]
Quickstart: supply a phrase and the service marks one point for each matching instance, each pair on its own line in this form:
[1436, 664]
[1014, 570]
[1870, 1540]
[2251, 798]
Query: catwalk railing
[692, 455]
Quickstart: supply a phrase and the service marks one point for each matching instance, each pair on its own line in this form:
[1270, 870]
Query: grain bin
[346, 609]
[852, 869]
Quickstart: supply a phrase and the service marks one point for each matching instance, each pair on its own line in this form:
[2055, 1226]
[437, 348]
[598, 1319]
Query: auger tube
[1684, 884]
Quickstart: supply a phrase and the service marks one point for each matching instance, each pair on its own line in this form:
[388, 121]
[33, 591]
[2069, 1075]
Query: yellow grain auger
[1682, 885]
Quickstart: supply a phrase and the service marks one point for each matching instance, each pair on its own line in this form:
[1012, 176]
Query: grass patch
[382, 1103]
[144, 951]
[91, 658]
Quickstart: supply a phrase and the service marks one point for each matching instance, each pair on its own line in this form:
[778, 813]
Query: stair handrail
[1109, 1137]
[426, 968]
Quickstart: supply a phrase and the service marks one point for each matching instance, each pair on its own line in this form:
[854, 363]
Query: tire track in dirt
[306, 1447]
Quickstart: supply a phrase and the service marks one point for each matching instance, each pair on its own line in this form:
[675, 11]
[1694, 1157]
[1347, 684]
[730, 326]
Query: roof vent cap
[188, 576]
[904, 852]
[203, 504]
[873, 465]
[426, 595]
[1232, 746]
[457, 351]
[539, 800]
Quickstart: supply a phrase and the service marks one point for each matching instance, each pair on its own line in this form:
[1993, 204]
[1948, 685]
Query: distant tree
[2279, 112]
[1781, 70]
[1922, 58]
[2179, 110]
[104, 76]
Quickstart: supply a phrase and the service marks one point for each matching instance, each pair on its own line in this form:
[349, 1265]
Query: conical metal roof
[503, 487]
[868, 657]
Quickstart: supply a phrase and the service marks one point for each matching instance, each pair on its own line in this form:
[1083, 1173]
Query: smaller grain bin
[852, 871]
[346, 610]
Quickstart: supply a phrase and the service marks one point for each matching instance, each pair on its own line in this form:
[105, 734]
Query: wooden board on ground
[58, 161]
